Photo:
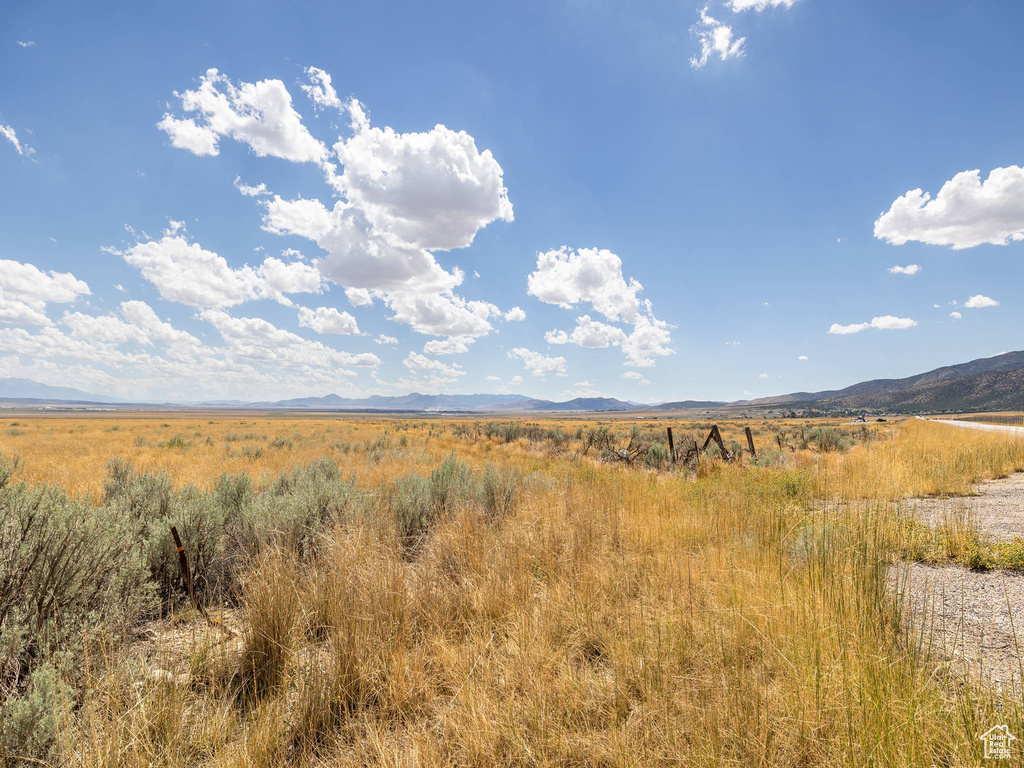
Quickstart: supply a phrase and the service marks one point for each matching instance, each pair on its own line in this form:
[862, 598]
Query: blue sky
[746, 163]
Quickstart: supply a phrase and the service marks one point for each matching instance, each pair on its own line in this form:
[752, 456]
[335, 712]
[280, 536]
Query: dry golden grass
[72, 452]
[921, 459]
[618, 617]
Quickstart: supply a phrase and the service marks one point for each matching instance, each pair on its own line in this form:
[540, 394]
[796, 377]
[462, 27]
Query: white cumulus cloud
[25, 290]
[588, 275]
[259, 114]
[417, 362]
[588, 333]
[259, 341]
[404, 196]
[328, 320]
[538, 364]
[979, 302]
[515, 315]
[319, 90]
[454, 345]
[965, 213]
[883, 322]
[650, 339]
[185, 272]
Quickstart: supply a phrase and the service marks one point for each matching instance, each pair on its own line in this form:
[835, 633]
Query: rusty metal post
[187, 573]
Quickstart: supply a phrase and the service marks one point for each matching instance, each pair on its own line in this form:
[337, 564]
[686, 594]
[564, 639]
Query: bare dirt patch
[973, 618]
[997, 509]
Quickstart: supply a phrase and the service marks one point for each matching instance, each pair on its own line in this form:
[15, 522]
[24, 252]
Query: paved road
[986, 427]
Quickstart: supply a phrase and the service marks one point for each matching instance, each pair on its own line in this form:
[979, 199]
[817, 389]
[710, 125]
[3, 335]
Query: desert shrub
[509, 433]
[1010, 554]
[148, 507]
[417, 502]
[297, 507]
[142, 495]
[239, 437]
[67, 571]
[827, 439]
[141, 441]
[975, 555]
[500, 490]
[14, 432]
[412, 507]
[252, 452]
[451, 484]
[28, 726]
[234, 493]
[657, 456]
[770, 457]
[178, 441]
[281, 442]
[201, 524]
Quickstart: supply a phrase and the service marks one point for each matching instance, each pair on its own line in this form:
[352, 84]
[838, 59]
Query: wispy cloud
[11, 135]
[716, 39]
[910, 269]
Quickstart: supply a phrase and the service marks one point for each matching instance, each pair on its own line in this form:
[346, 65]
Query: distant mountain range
[990, 383]
[24, 389]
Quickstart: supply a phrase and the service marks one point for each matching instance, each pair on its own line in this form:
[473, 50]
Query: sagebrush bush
[500, 490]
[412, 508]
[827, 439]
[451, 484]
[67, 572]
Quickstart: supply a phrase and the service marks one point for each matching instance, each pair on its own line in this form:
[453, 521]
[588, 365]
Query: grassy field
[474, 592]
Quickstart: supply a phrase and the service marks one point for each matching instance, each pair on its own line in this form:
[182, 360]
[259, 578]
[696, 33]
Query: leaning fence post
[715, 435]
[750, 442]
[671, 445]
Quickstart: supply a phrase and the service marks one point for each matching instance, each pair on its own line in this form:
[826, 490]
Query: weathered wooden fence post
[750, 442]
[715, 435]
[671, 445]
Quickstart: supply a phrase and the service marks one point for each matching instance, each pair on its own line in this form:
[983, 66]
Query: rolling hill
[988, 383]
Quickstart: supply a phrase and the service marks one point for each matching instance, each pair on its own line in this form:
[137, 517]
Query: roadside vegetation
[470, 592]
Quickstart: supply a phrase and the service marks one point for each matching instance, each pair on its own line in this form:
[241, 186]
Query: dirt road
[975, 619]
